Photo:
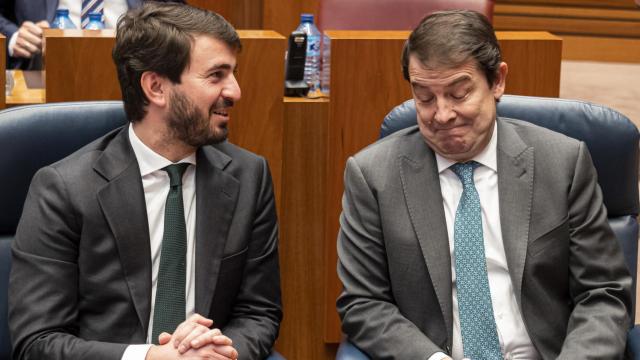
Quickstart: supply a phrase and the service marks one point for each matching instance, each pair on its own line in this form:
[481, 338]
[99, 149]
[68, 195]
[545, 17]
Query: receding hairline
[441, 65]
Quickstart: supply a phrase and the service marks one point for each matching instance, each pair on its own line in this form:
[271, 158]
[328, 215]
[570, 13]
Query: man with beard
[160, 232]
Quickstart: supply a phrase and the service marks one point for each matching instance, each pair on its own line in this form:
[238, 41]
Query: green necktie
[169, 310]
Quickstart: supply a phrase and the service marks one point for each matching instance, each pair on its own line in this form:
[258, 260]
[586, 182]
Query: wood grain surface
[595, 30]
[303, 267]
[78, 65]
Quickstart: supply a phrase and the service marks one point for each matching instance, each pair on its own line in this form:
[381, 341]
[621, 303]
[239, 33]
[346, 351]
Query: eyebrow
[461, 79]
[223, 66]
[456, 81]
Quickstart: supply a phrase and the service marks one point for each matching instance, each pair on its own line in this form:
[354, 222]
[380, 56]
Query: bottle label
[313, 45]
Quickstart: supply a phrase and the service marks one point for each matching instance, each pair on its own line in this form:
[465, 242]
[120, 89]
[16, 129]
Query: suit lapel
[217, 194]
[515, 188]
[421, 187]
[123, 204]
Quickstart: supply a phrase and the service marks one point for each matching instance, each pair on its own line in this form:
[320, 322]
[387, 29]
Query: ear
[155, 88]
[500, 80]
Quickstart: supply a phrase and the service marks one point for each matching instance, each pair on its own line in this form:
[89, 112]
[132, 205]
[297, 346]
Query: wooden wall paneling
[242, 14]
[600, 48]
[222, 7]
[3, 67]
[78, 65]
[302, 266]
[534, 62]
[574, 12]
[560, 26]
[366, 83]
[283, 16]
[251, 15]
[586, 3]
[257, 119]
[602, 30]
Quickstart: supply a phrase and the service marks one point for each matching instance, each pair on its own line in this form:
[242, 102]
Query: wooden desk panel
[302, 238]
[534, 62]
[367, 82]
[22, 93]
[257, 120]
[78, 65]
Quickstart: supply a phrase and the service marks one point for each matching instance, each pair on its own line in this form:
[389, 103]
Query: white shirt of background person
[32, 33]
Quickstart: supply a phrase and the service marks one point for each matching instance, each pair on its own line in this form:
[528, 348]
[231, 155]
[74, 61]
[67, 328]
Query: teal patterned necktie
[170, 304]
[477, 324]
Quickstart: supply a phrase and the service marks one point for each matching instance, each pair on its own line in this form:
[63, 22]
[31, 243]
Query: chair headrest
[37, 135]
[611, 137]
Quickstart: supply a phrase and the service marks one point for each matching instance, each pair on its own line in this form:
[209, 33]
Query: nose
[231, 89]
[444, 111]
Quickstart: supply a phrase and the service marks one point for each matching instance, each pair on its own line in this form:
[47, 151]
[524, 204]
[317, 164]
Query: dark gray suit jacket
[567, 269]
[80, 285]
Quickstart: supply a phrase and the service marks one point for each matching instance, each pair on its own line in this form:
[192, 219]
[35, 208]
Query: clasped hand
[193, 339]
[29, 39]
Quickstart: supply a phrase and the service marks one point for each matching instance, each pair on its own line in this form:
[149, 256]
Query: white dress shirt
[514, 339]
[113, 9]
[155, 183]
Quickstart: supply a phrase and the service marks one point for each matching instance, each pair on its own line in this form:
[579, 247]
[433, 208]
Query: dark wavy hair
[158, 37]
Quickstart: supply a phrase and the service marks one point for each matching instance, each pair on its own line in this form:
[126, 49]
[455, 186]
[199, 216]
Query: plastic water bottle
[62, 20]
[325, 77]
[312, 60]
[95, 22]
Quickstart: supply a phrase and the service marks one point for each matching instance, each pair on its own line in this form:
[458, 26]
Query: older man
[471, 236]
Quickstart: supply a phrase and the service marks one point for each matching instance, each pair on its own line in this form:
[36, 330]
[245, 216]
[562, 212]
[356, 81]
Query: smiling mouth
[221, 113]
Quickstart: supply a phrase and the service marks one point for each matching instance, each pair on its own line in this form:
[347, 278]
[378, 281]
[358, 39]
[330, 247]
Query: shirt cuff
[12, 43]
[136, 352]
[436, 356]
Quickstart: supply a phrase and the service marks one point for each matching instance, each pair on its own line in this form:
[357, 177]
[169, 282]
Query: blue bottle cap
[306, 18]
[63, 12]
[95, 16]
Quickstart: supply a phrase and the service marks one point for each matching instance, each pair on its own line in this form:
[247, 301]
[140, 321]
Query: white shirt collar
[148, 160]
[487, 157]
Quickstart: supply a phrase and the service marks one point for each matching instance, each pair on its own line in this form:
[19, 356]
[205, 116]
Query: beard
[188, 124]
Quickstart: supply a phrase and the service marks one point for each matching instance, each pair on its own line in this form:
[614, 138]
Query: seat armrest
[348, 351]
[633, 343]
[275, 356]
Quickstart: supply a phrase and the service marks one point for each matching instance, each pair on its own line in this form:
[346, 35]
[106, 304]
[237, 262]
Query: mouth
[221, 112]
[451, 132]
[224, 113]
